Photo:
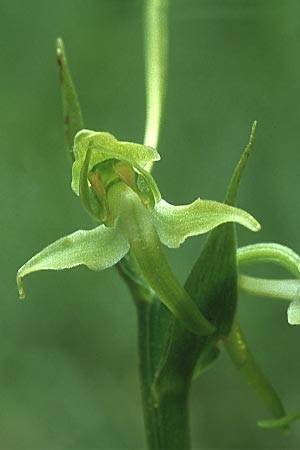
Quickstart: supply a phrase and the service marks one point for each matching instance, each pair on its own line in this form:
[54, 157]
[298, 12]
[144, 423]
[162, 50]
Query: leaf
[176, 223]
[206, 358]
[73, 120]
[212, 284]
[105, 146]
[97, 249]
[213, 280]
[236, 344]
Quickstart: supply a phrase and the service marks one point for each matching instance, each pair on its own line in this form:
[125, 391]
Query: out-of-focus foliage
[68, 375]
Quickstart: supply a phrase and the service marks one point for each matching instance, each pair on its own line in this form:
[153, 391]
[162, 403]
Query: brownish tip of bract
[59, 46]
[60, 55]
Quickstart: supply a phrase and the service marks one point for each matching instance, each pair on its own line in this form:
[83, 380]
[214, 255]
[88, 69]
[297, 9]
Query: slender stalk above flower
[156, 61]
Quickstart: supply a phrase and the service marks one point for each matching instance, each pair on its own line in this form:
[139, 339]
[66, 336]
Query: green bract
[110, 178]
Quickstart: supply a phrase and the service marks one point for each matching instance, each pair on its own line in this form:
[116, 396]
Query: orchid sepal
[98, 249]
[176, 223]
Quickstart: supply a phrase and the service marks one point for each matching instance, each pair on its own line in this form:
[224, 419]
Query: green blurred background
[68, 371]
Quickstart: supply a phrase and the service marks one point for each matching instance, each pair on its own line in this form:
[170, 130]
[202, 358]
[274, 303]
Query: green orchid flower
[110, 178]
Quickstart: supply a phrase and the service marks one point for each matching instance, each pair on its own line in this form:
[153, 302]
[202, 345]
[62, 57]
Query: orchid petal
[293, 311]
[97, 249]
[105, 146]
[176, 223]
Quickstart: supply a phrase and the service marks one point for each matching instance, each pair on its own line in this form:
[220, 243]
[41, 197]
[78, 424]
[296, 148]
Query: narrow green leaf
[207, 357]
[233, 189]
[235, 343]
[213, 280]
[73, 120]
[97, 249]
[176, 223]
[214, 276]
[213, 286]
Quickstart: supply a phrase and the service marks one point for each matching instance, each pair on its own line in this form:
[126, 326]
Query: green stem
[156, 52]
[164, 404]
[173, 418]
[165, 401]
[146, 375]
[164, 387]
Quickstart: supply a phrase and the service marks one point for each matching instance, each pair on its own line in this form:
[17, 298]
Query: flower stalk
[156, 61]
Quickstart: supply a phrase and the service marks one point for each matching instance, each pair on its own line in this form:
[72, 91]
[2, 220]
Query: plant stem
[165, 365]
[156, 59]
[165, 401]
[146, 376]
[173, 419]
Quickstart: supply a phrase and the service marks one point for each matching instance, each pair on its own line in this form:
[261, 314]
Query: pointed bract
[213, 279]
[73, 121]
